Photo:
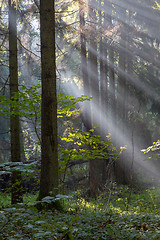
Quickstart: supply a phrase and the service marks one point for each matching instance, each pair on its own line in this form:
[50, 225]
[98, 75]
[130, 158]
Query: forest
[79, 119]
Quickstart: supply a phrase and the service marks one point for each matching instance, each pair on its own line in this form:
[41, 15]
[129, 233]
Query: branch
[27, 49]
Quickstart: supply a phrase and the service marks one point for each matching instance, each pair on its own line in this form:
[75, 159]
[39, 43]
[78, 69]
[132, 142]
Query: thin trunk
[84, 67]
[23, 158]
[49, 149]
[104, 89]
[103, 92]
[14, 119]
[112, 88]
[87, 107]
[102, 73]
[121, 100]
[93, 68]
[94, 164]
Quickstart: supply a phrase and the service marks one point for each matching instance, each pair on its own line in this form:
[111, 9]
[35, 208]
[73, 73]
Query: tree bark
[84, 67]
[14, 119]
[121, 100]
[93, 65]
[94, 164]
[112, 88]
[49, 149]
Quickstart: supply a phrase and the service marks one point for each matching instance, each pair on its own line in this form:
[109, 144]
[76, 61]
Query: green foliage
[83, 219]
[154, 147]
[77, 145]
[67, 104]
[157, 6]
[50, 202]
[27, 103]
[154, 150]
[87, 146]
[142, 201]
[30, 173]
[81, 146]
[10, 167]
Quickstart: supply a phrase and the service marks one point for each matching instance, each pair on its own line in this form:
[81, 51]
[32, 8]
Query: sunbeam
[109, 51]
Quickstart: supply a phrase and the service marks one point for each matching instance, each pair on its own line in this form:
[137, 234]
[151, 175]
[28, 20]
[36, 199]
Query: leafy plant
[153, 151]
[82, 219]
[77, 145]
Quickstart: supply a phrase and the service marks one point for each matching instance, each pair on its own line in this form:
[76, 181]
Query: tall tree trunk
[93, 65]
[121, 100]
[102, 73]
[103, 89]
[112, 89]
[87, 91]
[14, 119]
[84, 67]
[49, 149]
[94, 164]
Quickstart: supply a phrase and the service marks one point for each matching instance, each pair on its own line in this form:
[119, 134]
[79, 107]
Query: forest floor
[113, 215]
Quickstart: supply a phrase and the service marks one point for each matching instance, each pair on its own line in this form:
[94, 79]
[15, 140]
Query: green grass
[104, 218]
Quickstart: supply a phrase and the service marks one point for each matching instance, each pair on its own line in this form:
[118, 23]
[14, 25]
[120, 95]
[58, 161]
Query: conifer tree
[14, 119]
[49, 151]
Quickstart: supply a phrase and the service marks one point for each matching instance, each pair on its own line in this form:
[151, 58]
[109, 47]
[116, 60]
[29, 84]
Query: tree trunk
[49, 149]
[14, 119]
[103, 90]
[84, 67]
[94, 164]
[121, 101]
[112, 89]
[93, 66]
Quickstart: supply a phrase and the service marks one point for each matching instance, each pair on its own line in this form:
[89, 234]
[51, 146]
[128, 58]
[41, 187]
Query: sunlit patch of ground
[81, 219]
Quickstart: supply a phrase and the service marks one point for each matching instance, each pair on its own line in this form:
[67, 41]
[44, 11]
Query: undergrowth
[104, 218]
